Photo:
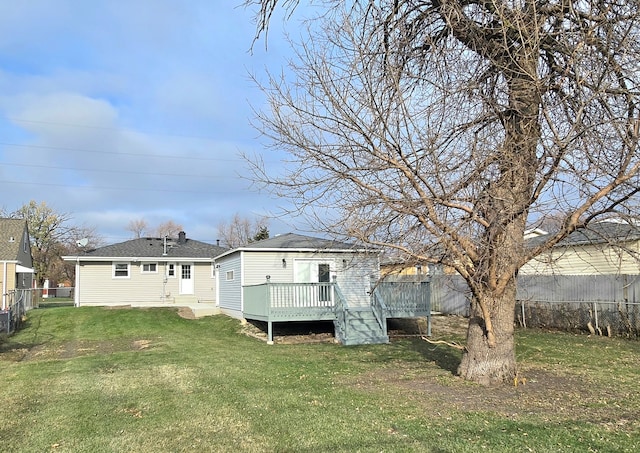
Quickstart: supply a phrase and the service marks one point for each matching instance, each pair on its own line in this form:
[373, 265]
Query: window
[120, 270]
[171, 270]
[229, 275]
[149, 268]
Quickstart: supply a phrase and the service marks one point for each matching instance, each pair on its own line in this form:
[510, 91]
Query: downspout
[76, 296]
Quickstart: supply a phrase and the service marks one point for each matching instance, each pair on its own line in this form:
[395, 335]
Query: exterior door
[186, 278]
[315, 271]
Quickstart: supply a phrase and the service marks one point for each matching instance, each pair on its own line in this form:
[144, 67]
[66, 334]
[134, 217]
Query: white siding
[97, 285]
[584, 260]
[353, 272]
[355, 278]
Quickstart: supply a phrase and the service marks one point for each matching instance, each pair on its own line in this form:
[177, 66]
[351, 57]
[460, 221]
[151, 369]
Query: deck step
[362, 327]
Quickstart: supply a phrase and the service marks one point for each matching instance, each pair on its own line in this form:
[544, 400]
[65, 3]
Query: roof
[153, 247]
[11, 228]
[297, 242]
[605, 232]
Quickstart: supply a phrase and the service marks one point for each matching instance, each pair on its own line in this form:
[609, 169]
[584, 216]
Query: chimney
[182, 237]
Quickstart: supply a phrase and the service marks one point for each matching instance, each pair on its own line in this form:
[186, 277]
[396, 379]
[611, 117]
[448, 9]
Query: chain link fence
[17, 303]
[599, 304]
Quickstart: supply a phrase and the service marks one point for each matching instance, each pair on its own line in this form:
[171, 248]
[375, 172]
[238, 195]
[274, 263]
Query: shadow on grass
[49, 303]
[443, 356]
[8, 345]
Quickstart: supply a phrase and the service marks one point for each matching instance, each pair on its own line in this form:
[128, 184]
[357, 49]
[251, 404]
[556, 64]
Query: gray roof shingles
[597, 233]
[10, 228]
[297, 241]
[155, 248]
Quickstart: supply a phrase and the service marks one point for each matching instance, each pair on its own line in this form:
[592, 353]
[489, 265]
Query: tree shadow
[444, 356]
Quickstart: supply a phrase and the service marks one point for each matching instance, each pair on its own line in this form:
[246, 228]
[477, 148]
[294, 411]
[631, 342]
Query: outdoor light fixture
[284, 262]
[268, 277]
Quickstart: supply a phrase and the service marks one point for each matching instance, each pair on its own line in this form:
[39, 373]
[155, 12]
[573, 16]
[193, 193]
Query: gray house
[147, 271]
[16, 263]
[300, 278]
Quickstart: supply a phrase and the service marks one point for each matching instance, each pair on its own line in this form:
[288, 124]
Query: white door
[186, 278]
[315, 271]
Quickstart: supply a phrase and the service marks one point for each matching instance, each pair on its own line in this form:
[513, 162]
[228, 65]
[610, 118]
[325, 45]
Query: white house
[147, 271]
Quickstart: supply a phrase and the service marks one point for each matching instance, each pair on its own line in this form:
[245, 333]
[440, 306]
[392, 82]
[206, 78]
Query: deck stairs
[360, 326]
[355, 325]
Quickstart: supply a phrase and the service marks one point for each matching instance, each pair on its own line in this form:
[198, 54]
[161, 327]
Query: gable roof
[11, 228]
[606, 232]
[153, 248]
[299, 243]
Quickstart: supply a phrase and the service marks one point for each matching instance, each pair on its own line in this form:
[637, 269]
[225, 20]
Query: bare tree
[138, 227]
[441, 129]
[242, 230]
[51, 234]
[169, 229]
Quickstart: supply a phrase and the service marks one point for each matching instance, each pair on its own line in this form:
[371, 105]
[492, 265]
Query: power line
[164, 156]
[51, 167]
[106, 128]
[129, 189]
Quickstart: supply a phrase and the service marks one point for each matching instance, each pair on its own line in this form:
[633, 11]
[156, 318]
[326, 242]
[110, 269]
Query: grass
[98, 380]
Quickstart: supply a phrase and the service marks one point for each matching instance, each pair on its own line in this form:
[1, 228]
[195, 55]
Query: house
[602, 248]
[292, 277]
[16, 272]
[147, 271]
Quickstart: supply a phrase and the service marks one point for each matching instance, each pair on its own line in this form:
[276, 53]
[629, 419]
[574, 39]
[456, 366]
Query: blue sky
[117, 110]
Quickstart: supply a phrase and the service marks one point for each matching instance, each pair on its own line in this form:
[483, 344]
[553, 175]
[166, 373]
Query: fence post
[595, 315]
[524, 321]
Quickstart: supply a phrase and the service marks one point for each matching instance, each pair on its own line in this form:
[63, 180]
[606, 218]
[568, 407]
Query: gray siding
[257, 265]
[230, 292]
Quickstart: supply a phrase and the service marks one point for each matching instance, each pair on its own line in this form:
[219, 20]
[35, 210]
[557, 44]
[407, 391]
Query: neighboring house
[147, 271]
[292, 277]
[603, 248]
[16, 271]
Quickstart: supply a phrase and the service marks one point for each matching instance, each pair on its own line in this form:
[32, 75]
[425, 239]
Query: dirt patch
[186, 313]
[292, 332]
[324, 332]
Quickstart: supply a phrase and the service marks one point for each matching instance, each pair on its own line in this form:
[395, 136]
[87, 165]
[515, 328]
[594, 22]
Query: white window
[149, 268]
[121, 270]
[229, 275]
[171, 270]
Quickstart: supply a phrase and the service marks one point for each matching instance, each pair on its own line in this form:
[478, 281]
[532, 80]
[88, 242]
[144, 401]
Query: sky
[120, 110]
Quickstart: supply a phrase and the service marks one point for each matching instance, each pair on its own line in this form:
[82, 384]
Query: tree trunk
[491, 362]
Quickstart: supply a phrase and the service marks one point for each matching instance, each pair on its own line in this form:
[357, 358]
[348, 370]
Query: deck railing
[289, 300]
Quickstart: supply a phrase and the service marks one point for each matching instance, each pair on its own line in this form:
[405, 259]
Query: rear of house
[295, 259]
[147, 271]
[299, 278]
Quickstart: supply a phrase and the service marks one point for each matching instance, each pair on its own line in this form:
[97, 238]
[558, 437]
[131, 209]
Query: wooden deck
[284, 302]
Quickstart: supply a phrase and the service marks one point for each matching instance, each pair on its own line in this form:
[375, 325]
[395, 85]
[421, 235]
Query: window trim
[154, 271]
[171, 266]
[114, 269]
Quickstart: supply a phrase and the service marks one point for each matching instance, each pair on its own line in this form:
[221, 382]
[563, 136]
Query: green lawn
[132, 380]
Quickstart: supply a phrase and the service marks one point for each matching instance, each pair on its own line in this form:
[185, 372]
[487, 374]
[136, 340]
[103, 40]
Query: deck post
[269, 332]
